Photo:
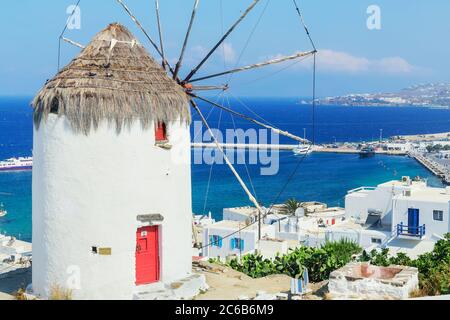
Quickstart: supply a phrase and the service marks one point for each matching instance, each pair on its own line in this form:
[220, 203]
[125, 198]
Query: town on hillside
[423, 95]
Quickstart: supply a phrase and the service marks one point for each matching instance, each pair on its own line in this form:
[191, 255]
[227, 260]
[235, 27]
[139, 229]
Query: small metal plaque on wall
[104, 251]
[150, 218]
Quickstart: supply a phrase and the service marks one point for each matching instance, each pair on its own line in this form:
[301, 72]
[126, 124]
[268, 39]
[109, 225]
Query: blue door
[413, 221]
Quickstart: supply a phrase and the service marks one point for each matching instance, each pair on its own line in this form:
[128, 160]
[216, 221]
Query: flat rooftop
[419, 191]
[427, 194]
[251, 211]
[243, 210]
[400, 183]
[329, 212]
[235, 225]
[352, 225]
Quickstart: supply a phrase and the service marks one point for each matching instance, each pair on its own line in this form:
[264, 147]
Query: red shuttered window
[161, 132]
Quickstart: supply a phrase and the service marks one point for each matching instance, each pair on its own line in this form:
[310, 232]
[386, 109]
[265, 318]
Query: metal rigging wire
[301, 159]
[304, 24]
[246, 167]
[212, 165]
[276, 72]
[216, 97]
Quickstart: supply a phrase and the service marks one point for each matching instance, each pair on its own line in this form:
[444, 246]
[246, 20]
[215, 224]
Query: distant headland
[422, 95]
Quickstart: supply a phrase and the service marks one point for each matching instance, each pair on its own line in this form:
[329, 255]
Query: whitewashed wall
[88, 191]
[250, 237]
[233, 214]
[357, 205]
[426, 208]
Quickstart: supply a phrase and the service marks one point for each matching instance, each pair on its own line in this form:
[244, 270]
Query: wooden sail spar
[219, 43]
[74, 43]
[258, 65]
[276, 130]
[186, 39]
[161, 42]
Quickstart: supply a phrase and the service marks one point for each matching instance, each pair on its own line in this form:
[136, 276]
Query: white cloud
[337, 61]
[343, 62]
[330, 60]
[394, 65]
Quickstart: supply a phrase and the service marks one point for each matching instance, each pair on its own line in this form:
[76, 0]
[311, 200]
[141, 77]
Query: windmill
[190, 82]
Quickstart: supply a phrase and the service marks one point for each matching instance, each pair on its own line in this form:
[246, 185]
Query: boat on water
[16, 164]
[302, 150]
[3, 212]
[366, 151]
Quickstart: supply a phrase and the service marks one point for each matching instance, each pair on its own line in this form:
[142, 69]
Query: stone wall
[364, 281]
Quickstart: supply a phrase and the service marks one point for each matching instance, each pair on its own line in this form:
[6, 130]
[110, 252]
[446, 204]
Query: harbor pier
[437, 169]
[289, 147]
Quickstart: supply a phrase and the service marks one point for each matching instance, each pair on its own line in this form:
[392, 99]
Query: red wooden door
[147, 255]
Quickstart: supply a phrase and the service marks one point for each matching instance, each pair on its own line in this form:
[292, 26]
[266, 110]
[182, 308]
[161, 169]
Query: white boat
[303, 150]
[3, 212]
[16, 164]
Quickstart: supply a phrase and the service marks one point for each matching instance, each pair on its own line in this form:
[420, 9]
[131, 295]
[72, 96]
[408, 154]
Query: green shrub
[320, 262]
[437, 282]
[433, 267]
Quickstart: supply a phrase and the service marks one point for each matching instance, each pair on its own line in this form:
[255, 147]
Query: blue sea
[321, 177]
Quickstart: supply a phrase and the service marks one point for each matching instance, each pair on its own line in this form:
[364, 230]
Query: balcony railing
[410, 231]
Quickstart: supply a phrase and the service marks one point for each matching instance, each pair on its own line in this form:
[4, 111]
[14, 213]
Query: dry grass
[20, 294]
[327, 296]
[59, 293]
[119, 85]
[417, 293]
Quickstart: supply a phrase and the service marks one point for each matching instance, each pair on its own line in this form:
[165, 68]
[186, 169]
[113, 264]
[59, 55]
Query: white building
[404, 216]
[310, 229]
[412, 215]
[421, 212]
[366, 237]
[13, 250]
[203, 220]
[371, 203]
[444, 154]
[242, 214]
[441, 142]
[250, 214]
[422, 146]
[399, 146]
[233, 238]
[111, 175]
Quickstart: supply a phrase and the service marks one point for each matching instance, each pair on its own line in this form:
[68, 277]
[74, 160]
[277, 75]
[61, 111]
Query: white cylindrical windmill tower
[111, 174]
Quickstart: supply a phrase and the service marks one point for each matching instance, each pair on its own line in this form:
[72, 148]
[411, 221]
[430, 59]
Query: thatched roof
[119, 83]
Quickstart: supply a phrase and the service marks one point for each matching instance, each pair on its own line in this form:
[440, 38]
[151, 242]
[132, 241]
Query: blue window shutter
[220, 242]
[232, 243]
[242, 244]
[211, 240]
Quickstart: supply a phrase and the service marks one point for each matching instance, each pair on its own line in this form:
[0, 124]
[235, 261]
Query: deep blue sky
[411, 47]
